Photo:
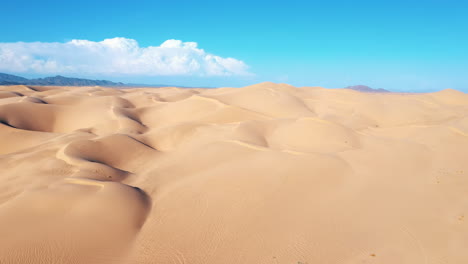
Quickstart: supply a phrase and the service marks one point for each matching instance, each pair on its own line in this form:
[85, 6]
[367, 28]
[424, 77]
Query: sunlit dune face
[268, 173]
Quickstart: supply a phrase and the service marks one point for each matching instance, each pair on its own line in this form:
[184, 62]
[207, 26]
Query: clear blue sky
[397, 45]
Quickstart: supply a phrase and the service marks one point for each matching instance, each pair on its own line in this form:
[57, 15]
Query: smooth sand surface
[265, 174]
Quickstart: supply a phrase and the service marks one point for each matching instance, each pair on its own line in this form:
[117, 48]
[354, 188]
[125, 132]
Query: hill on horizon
[58, 80]
[9, 79]
[367, 89]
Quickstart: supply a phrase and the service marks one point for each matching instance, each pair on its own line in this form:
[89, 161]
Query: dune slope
[268, 173]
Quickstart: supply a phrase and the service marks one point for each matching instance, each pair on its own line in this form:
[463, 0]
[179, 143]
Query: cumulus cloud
[116, 56]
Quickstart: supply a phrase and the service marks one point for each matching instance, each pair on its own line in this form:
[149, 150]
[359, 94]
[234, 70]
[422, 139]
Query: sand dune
[268, 173]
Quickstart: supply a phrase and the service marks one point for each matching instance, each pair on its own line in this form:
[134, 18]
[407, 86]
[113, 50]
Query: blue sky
[396, 45]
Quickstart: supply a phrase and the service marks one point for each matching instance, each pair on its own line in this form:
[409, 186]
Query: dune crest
[268, 173]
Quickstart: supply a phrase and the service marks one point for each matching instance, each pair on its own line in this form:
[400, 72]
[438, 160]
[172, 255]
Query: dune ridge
[268, 173]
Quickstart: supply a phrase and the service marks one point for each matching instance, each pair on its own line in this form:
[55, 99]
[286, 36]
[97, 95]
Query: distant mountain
[366, 89]
[8, 83]
[65, 81]
[8, 79]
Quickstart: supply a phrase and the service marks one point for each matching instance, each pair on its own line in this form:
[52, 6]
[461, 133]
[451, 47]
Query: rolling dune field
[264, 174]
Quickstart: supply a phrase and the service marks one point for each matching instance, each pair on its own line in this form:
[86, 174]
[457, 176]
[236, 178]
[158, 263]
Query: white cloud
[116, 56]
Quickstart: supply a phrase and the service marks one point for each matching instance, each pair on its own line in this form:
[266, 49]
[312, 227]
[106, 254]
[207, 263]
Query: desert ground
[264, 174]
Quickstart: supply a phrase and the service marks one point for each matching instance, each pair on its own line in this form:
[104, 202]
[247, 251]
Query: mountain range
[8, 79]
[367, 89]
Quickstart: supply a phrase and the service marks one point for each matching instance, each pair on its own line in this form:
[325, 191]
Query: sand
[268, 173]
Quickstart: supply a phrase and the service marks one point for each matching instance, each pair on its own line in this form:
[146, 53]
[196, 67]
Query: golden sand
[268, 173]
